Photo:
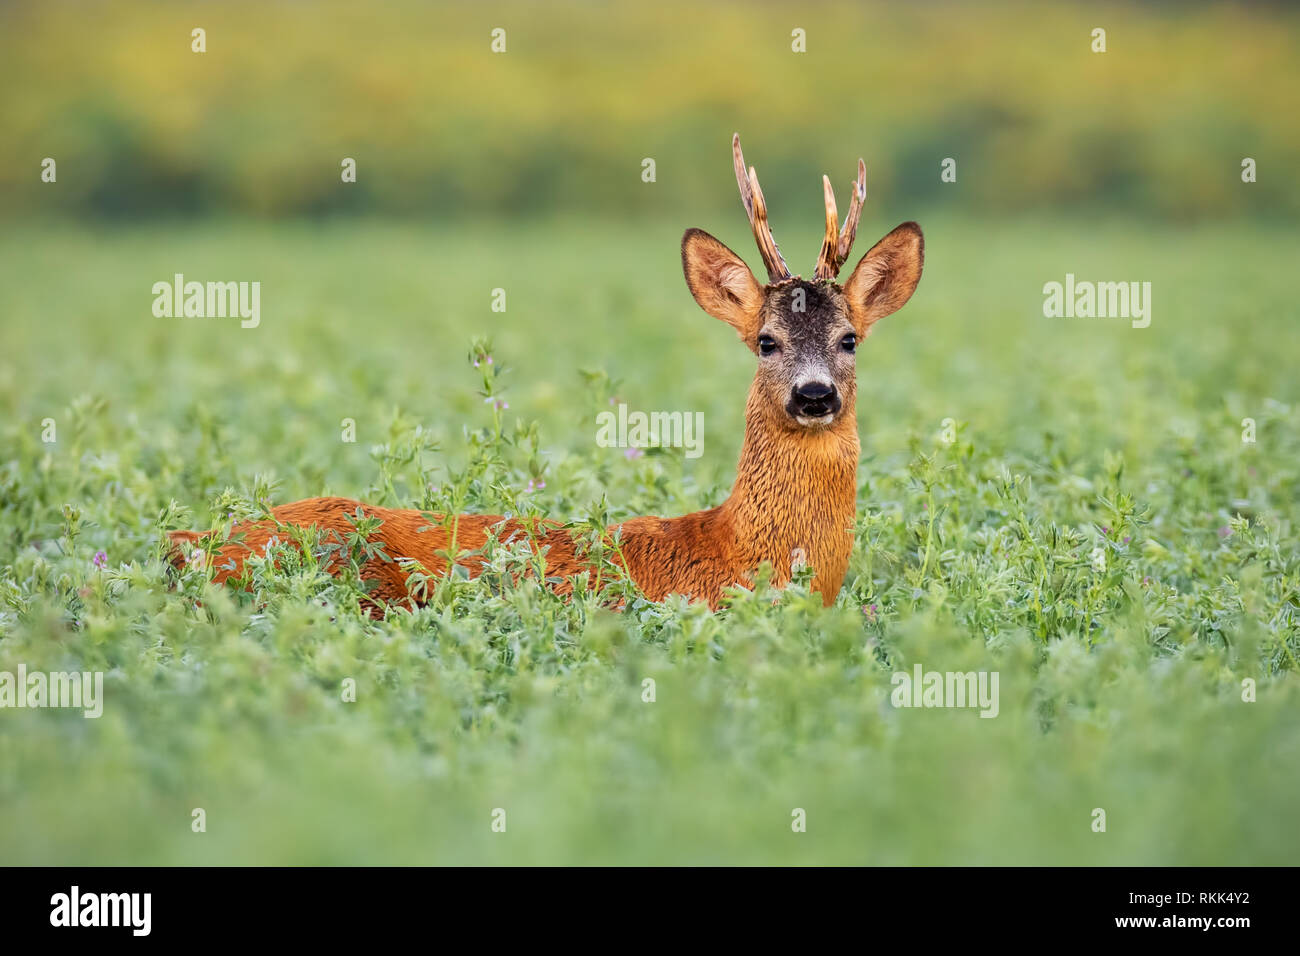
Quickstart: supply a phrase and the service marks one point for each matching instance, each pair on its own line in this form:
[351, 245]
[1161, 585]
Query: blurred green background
[1120, 689]
[440, 126]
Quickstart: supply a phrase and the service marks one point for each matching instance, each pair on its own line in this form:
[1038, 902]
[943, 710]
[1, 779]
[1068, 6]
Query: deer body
[794, 500]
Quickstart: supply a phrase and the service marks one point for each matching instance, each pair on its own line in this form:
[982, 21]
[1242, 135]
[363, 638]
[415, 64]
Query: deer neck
[796, 489]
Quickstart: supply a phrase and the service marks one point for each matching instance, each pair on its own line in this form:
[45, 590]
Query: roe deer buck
[795, 496]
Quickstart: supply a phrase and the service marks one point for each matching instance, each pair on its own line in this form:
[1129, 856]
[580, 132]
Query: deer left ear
[885, 278]
[721, 283]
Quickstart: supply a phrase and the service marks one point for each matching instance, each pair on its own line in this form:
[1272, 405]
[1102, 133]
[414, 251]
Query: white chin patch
[807, 422]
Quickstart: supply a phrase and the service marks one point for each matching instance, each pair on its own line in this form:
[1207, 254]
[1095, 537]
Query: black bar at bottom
[336, 906]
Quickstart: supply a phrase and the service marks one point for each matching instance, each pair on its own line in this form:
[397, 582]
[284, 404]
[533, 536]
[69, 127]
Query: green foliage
[1096, 532]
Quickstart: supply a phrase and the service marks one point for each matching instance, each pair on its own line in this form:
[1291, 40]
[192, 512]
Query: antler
[752, 197]
[838, 242]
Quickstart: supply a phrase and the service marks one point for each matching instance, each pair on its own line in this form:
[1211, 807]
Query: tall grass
[1121, 679]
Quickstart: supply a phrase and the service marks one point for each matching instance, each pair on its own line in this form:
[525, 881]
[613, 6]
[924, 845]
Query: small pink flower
[631, 453]
[100, 559]
[1225, 532]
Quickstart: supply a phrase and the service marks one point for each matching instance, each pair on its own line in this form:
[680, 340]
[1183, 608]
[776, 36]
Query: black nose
[815, 399]
[814, 391]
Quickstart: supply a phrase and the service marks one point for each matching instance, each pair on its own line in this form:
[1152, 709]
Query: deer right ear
[886, 277]
[721, 283]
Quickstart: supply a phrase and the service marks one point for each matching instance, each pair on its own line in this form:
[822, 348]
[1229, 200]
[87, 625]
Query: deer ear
[885, 278]
[721, 283]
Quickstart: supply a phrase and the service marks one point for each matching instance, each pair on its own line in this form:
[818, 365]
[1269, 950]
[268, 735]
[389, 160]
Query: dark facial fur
[809, 369]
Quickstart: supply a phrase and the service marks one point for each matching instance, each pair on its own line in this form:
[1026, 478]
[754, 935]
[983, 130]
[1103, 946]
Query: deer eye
[849, 343]
[766, 344]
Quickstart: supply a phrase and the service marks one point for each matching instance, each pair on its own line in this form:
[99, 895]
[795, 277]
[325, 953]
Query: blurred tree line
[564, 119]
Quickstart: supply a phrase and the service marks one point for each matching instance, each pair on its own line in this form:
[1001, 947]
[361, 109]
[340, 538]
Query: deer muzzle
[814, 403]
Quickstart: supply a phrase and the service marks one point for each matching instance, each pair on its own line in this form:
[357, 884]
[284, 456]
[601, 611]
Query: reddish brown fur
[792, 492]
[795, 493]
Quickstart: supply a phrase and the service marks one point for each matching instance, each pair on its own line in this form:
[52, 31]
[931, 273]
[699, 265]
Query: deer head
[805, 332]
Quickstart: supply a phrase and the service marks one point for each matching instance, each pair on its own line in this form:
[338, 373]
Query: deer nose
[815, 399]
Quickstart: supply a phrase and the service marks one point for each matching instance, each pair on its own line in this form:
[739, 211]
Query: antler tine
[835, 251]
[751, 195]
[850, 230]
[827, 266]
